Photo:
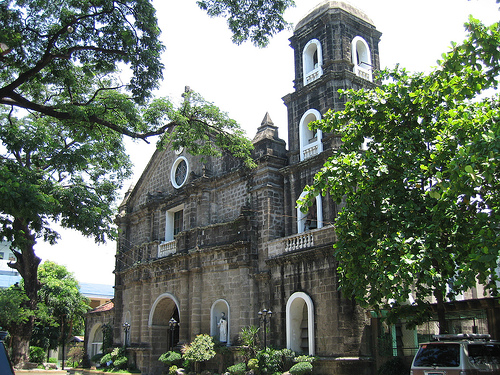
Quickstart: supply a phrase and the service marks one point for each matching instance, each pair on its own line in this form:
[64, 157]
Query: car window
[438, 355]
[484, 353]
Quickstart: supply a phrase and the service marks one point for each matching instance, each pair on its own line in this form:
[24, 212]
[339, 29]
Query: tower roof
[328, 5]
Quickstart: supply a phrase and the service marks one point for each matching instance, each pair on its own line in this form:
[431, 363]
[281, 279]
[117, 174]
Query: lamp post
[265, 317]
[172, 323]
[126, 330]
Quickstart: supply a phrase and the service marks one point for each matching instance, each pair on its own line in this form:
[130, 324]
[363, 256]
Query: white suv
[463, 354]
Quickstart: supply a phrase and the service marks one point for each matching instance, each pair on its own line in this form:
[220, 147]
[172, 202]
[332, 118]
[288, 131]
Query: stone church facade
[204, 238]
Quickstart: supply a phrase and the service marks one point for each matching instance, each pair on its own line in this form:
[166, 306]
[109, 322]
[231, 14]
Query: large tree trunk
[20, 343]
[27, 265]
[441, 313]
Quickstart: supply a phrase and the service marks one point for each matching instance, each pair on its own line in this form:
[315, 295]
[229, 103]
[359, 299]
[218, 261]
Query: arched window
[312, 61]
[300, 323]
[361, 58]
[220, 317]
[312, 219]
[310, 142]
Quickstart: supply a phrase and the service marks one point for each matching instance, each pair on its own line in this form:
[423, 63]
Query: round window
[179, 173]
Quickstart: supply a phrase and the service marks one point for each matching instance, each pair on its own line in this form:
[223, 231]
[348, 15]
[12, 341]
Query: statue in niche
[222, 324]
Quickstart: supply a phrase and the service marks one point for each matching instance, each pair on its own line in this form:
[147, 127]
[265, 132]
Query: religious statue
[222, 324]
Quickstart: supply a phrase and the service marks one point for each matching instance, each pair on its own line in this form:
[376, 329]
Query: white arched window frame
[301, 216]
[310, 142]
[294, 310]
[361, 58]
[218, 307]
[312, 61]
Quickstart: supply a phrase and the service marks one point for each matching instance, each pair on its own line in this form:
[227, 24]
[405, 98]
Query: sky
[247, 82]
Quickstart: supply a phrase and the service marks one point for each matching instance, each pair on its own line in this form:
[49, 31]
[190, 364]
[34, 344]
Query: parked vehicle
[5, 365]
[463, 354]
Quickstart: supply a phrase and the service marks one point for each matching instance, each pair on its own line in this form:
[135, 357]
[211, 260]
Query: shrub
[253, 364]
[301, 368]
[52, 360]
[76, 354]
[116, 359]
[173, 370]
[170, 357]
[237, 369]
[249, 340]
[37, 354]
[271, 361]
[201, 349]
[105, 359]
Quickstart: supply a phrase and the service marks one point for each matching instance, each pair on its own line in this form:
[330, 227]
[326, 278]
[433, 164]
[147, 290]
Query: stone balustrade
[311, 151]
[166, 248]
[302, 241]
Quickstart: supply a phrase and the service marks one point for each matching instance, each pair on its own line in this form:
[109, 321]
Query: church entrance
[164, 324]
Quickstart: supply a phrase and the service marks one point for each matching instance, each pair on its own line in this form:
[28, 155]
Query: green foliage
[116, 360]
[52, 360]
[200, 127]
[394, 366]
[75, 355]
[37, 354]
[107, 336]
[301, 368]
[237, 369]
[271, 361]
[418, 172]
[170, 358]
[250, 20]
[253, 364]
[249, 339]
[60, 306]
[173, 370]
[105, 359]
[12, 311]
[305, 358]
[200, 350]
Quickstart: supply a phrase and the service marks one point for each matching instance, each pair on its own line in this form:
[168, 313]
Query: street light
[265, 317]
[172, 323]
[126, 330]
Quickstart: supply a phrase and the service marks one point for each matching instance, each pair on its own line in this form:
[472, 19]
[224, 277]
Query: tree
[61, 307]
[48, 174]
[11, 311]
[250, 20]
[61, 58]
[418, 173]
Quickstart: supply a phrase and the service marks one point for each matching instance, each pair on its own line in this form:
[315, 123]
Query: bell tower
[335, 47]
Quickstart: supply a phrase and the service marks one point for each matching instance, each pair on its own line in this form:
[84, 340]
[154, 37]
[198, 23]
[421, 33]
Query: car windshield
[438, 355]
[484, 353]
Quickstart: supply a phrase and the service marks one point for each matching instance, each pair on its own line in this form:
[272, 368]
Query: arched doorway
[300, 323]
[164, 309]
